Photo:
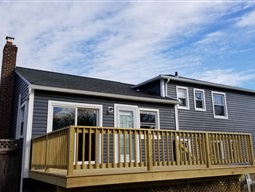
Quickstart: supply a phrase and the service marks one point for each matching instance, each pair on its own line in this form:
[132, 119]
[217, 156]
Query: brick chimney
[6, 87]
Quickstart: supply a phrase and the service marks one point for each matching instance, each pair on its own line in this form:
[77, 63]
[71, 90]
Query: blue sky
[132, 41]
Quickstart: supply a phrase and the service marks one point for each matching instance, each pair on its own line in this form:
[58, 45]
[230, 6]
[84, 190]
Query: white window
[219, 105]
[63, 114]
[183, 96]
[199, 100]
[21, 121]
[149, 118]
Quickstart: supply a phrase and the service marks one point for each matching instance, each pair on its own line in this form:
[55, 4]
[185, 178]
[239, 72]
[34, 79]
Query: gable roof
[193, 81]
[52, 81]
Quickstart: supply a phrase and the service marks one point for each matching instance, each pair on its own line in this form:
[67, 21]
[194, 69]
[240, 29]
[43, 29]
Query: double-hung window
[199, 100]
[183, 96]
[219, 105]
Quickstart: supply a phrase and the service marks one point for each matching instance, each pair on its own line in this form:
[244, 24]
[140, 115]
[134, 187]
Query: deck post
[70, 150]
[149, 146]
[252, 152]
[208, 151]
[46, 154]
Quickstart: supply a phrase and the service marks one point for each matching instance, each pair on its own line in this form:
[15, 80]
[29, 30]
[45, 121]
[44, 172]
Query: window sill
[220, 117]
[196, 109]
[186, 108]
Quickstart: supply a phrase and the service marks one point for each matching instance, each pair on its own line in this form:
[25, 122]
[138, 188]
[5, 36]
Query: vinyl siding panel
[167, 118]
[151, 88]
[20, 88]
[240, 105]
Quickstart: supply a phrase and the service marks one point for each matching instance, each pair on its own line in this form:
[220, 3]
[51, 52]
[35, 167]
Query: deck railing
[81, 147]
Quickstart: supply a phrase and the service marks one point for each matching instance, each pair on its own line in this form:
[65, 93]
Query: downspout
[168, 80]
[162, 88]
[175, 107]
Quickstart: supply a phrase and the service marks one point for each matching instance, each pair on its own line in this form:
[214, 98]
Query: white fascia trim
[28, 136]
[23, 78]
[225, 106]
[109, 95]
[187, 94]
[197, 82]
[52, 104]
[149, 110]
[204, 102]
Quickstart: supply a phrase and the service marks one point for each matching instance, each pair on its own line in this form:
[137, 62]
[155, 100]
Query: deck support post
[149, 146]
[70, 150]
[46, 154]
[208, 151]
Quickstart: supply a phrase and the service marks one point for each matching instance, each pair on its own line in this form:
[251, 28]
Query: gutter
[109, 95]
[180, 79]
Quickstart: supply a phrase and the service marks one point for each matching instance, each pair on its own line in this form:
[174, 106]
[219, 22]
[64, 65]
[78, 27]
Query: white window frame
[225, 106]
[203, 99]
[187, 97]
[149, 110]
[19, 120]
[52, 104]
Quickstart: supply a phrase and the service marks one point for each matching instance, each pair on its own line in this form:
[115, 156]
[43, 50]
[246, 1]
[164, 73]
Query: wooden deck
[84, 178]
[93, 156]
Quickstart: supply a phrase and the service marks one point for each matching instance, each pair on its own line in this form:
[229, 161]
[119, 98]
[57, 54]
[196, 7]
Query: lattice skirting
[220, 184]
[6, 144]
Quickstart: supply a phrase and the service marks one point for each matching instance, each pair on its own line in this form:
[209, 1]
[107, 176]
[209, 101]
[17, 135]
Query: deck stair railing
[82, 147]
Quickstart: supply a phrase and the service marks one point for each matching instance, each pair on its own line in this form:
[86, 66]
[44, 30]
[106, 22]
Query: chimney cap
[9, 39]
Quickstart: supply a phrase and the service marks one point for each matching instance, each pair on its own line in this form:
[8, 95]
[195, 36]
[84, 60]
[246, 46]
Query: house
[81, 132]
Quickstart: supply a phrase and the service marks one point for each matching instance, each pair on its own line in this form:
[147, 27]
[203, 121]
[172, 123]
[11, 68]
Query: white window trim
[225, 106]
[203, 101]
[177, 95]
[52, 104]
[149, 110]
[27, 135]
[20, 106]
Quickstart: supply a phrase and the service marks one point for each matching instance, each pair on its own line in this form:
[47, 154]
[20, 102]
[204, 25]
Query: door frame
[134, 109]
[53, 103]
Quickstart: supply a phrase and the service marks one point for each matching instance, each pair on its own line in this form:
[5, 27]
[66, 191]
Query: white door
[126, 117]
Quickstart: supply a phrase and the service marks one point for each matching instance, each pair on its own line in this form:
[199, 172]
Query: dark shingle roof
[59, 80]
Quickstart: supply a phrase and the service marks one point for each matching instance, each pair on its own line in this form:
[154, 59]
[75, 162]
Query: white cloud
[227, 76]
[120, 41]
[247, 20]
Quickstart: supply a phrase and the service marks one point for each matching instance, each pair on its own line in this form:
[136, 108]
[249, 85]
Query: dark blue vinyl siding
[240, 105]
[167, 117]
[20, 88]
[151, 88]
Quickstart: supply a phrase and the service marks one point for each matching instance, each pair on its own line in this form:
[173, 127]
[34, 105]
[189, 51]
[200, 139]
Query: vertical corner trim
[176, 117]
[28, 136]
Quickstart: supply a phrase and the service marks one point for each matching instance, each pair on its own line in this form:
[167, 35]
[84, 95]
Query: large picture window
[219, 105]
[199, 100]
[183, 96]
